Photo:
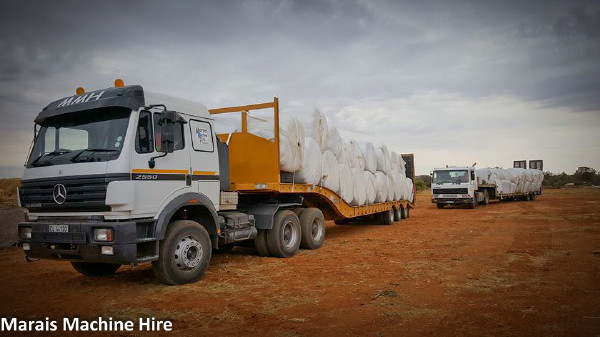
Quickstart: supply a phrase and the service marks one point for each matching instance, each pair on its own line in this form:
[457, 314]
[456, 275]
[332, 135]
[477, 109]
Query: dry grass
[8, 191]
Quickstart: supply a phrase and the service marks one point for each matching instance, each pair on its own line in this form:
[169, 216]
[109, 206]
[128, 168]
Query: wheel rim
[289, 236]
[316, 230]
[391, 215]
[188, 253]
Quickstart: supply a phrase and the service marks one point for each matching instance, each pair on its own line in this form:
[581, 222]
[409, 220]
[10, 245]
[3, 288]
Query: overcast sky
[454, 82]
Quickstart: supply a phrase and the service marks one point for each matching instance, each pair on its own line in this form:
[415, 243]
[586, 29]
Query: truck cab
[454, 185]
[110, 169]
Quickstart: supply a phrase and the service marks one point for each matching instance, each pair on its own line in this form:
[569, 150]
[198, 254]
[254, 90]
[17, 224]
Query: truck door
[204, 158]
[153, 185]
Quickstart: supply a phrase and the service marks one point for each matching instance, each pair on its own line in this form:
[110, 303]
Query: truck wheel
[486, 198]
[473, 203]
[91, 269]
[440, 205]
[533, 196]
[312, 224]
[184, 254]
[283, 239]
[397, 215]
[387, 217]
[260, 243]
[404, 212]
[298, 211]
[527, 197]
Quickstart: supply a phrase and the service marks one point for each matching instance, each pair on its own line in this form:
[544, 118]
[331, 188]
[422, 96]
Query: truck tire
[527, 197]
[386, 217]
[404, 212]
[397, 215]
[486, 198]
[298, 211]
[312, 224]
[184, 254]
[283, 240]
[473, 203]
[533, 196]
[260, 243]
[440, 205]
[91, 269]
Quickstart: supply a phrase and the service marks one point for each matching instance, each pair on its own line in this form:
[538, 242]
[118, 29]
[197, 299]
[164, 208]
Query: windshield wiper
[53, 153]
[74, 159]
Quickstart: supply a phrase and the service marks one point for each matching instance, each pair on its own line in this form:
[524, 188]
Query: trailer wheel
[440, 205]
[404, 212]
[91, 269]
[283, 239]
[527, 197]
[532, 196]
[298, 211]
[386, 217]
[312, 224]
[397, 215]
[260, 243]
[184, 254]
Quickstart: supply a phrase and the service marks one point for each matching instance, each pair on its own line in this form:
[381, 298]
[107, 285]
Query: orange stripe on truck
[159, 171]
[205, 173]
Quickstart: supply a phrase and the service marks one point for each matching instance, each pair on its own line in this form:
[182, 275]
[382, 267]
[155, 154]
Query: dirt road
[514, 269]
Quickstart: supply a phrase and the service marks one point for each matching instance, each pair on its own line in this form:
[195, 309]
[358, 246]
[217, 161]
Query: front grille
[450, 191]
[84, 193]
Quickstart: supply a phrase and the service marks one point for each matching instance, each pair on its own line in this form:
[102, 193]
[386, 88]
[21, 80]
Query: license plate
[58, 228]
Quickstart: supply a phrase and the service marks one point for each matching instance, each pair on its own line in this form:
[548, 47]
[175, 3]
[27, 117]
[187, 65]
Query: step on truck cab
[123, 176]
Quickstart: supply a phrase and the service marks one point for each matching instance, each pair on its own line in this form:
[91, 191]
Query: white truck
[122, 176]
[465, 185]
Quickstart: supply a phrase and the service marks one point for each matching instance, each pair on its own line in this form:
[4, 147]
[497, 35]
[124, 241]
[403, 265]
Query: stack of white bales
[512, 180]
[357, 171]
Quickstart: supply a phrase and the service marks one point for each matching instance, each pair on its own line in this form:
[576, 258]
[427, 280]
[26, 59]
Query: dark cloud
[334, 54]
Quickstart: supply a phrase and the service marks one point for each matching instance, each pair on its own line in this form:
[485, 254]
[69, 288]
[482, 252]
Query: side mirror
[472, 175]
[169, 120]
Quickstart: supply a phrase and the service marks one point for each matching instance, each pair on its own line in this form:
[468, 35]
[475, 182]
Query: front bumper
[78, 243]
[452, 201]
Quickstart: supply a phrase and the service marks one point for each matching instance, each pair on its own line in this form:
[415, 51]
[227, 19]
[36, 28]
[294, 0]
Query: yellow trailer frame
[254, 168]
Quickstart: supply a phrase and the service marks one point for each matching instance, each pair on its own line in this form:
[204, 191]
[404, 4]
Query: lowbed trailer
[120, 176]
[254, 169]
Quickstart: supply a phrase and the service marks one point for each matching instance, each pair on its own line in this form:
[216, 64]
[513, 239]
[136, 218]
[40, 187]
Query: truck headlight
[107, 250]
[25, 232]
[103, 234]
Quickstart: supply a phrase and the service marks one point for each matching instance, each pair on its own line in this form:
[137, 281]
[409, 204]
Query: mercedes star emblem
[59, 193]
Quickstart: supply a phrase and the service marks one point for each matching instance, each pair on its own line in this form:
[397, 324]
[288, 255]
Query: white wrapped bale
[371, 183]
[344, 155]
[346, 189]
[381, 190]
[394, 163]
[357, 160]
[319, 129]
[334, 141]
[310, 172]
[330, 172]
[383, 159]
[511, 180]
[369, 155]
[410, 189]
[391, 190]
[291, 145]
[398, 183]
[360, 187]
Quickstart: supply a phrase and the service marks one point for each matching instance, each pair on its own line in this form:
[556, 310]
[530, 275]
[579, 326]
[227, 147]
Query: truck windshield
[450, 176]
[87, 136]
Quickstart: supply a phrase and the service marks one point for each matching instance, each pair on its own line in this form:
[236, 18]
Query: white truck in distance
[465, 185]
